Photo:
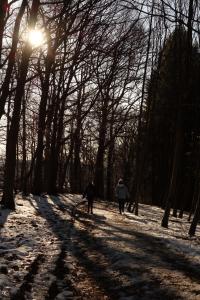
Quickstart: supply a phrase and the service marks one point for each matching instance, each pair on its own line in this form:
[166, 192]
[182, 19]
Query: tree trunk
[110, 172]
[170, 198]
[23, 165]
[11, 57]
[99, 166]
[76, 188]
[196, 218]
[52, 162]
[3, 12]
[135, 190]
[55, 148]
[10, 163]
[38, 184]
[66, 164]
[76, 165]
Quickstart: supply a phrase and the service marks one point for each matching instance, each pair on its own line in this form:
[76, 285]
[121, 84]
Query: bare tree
[8, 199]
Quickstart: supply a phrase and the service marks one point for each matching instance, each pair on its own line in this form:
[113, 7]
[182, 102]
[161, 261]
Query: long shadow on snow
[60, 204]
[151, 243]
[179, 263]
[176, 262]
[95, 269]
[89, 265]
[4, 213]
[28, 279]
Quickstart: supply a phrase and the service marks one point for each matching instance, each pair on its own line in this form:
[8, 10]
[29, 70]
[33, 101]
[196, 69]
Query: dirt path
[79, 256]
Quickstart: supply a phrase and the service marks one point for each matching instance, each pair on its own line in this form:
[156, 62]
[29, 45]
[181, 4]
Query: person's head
[120, 181]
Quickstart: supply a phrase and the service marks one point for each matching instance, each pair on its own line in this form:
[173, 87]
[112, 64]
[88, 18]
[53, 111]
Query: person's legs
[90, 206]
[92, 201]
[123, 205]
[120, 206]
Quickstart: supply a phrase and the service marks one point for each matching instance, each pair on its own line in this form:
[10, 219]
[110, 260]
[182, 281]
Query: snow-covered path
[52, 249]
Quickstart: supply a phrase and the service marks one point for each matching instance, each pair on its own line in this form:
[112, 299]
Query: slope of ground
[50, 248]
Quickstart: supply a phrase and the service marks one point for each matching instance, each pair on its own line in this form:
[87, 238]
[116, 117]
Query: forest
[97, 91]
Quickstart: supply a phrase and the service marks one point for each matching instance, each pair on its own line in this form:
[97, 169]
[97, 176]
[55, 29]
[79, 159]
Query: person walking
[122, 195]
[89, 194]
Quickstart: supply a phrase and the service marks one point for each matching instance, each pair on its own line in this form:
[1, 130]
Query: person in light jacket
[122, 195]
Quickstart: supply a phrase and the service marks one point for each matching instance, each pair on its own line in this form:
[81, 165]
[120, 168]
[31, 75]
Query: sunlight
[36, 37]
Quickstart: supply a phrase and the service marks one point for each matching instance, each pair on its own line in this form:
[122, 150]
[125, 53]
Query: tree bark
[11, 57]
[76, 165]
[38, 184]
[110, 172]
[10, 163]
[170, 198]
[196, 218]
[3, 12]
[99, 166]
[23, 165]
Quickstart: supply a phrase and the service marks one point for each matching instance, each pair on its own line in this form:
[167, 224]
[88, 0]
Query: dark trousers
[90, 205]
[121, 205]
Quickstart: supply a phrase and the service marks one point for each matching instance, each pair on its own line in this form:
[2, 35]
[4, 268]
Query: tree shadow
[84, 244]
[176, 262]
[4, 213]
[20, 294]
[59, 203]
[132, 217]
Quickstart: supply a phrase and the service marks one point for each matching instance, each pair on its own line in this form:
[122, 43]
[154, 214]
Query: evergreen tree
[173, 104]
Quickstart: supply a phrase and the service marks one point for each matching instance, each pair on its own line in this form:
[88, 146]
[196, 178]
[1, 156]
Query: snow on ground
[177, 234]
[50, 248]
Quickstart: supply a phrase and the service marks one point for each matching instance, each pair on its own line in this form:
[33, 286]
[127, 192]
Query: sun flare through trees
[97, 91]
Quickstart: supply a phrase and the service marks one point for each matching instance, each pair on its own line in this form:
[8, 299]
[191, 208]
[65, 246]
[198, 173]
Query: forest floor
[50, 248]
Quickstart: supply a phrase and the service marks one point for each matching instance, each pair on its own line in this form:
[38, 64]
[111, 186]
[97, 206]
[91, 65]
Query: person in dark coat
[122, 195]
[89, 194]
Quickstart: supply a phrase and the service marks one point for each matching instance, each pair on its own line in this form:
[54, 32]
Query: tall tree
[9, 175]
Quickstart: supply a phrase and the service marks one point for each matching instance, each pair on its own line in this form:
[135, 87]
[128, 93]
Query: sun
[36, 37]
